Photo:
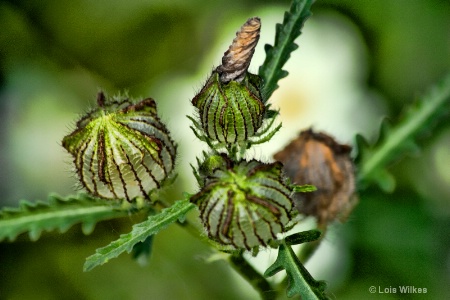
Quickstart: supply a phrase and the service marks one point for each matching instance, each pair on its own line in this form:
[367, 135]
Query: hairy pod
[242, 205]
[230, 106]
[121, 149]
[232, 112]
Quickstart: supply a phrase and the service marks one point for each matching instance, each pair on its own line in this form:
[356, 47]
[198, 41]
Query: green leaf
[58, 213]
[300, 281]
[302, 237]
[139, 233]
[305, 188]
[400, 138]
[277, 55]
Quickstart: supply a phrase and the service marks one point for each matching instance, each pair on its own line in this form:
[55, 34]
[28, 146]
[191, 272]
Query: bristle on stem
[101, 98]
[237, 58]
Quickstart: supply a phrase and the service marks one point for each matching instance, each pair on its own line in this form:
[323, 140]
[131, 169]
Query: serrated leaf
[277, 55]
[400, 138]
[300, 281]
[57, 213]
[139, 233]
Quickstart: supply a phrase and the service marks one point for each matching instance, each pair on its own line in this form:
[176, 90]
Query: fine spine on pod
[121, 149]
[230, 106]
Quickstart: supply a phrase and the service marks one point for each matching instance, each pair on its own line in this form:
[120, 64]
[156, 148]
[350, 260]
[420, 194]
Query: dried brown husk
[317, 159]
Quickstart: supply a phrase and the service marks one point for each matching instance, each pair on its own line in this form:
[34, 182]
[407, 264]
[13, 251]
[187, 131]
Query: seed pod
[317, 159]
[230, 106]
[121, 149]
[242, 205]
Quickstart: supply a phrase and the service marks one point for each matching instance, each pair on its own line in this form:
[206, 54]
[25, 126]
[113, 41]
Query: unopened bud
[230, 106]
[121, 149]
[242, 205]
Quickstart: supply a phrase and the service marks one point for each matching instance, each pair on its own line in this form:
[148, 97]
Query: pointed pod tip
[253, 23]
[237, 58]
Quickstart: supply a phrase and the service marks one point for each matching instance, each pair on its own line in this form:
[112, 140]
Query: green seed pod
[242, 205]
[230, 106]
[121, 149]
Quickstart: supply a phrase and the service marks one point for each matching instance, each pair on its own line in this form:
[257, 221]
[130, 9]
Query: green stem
[414, 121]
[259, 283]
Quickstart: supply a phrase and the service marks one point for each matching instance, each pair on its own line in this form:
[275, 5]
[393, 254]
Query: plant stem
[413, 122]
[259, 283]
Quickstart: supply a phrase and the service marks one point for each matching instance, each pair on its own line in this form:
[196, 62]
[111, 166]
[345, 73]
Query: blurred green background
[357, 61]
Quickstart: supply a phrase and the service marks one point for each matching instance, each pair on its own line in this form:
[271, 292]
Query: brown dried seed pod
[237, 58]
[317, 159]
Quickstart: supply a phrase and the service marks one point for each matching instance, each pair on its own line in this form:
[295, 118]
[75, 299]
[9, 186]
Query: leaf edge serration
[57, 213]
[139, 233]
